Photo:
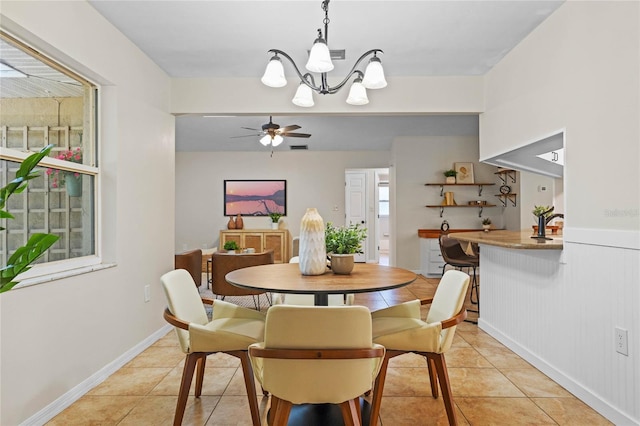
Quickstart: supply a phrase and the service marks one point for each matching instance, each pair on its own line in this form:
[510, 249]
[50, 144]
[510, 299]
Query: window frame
[48, 271]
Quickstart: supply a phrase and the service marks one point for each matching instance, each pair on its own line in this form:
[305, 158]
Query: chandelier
[320, 62]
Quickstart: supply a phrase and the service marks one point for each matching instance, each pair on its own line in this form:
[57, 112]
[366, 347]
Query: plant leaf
[21, 259]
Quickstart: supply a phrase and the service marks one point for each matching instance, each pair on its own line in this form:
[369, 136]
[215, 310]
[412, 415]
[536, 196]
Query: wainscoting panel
[559, 309]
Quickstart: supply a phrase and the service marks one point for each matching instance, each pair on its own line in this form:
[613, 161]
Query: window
[383, 198]
[43, 103]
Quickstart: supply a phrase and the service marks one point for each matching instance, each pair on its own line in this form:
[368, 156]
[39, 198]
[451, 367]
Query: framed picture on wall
[255, 197]
[465, 172]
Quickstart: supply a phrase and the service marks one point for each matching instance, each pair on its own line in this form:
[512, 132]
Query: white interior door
[356, 205]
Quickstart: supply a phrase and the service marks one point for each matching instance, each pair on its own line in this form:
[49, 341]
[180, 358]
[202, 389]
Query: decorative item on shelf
[72, 181]
[239, 222]
[486, 224]
[505, 189]
[464, 172]
[312, 251]
[320, 62]
[342, 244]
[275, 219]
[477, 203]
[231, 224]
[450, 176]
[448, 199]
[231, 247]
[444, 226]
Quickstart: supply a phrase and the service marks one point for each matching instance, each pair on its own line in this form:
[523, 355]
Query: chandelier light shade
[265, 140]
[304, 96]
[374, 74]
[277, 140]
[274, 74]
[320, 62]
[357, 93]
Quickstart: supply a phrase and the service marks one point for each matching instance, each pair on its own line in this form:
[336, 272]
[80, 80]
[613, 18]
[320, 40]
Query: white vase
[312, 249]
[274, 225]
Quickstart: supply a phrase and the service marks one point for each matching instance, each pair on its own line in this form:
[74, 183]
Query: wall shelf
[442, 185]
[479, 207]
[504, 197]
[506, 175]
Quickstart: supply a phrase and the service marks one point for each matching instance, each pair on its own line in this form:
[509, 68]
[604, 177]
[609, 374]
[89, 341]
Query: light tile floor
[491, 386]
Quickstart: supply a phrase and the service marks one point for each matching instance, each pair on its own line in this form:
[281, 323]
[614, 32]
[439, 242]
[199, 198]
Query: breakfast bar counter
[510, 239]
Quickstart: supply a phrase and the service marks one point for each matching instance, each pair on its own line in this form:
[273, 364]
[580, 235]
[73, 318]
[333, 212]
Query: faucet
[553, 216]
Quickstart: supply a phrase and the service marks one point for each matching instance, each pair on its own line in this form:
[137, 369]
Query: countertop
[510, 239]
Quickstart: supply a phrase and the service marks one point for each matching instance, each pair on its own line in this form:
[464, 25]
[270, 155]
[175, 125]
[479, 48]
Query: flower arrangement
[344, 239]
[58, 176]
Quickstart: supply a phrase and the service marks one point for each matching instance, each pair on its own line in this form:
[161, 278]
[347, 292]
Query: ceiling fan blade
[246, 136]
[250, 128]
[288, 128]
[296, 135]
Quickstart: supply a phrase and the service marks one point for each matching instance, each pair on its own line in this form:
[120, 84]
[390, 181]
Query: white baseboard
[64, 401]
[585, 395]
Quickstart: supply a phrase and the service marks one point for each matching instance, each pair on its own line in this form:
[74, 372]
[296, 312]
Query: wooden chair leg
[445, 386]
[250, 384]
[378, 388]
[351, 414]
[187, 375]
[432, 377]
[281, 416]
[272, 410]
[202, 361]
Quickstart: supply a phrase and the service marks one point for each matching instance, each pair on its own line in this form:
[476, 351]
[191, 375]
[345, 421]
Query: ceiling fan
[272, 134]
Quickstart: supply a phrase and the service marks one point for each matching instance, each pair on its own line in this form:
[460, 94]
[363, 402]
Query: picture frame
[255, 197]
[465, 172]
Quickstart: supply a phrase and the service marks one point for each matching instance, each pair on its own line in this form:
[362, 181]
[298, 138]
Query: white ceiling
[231, 38]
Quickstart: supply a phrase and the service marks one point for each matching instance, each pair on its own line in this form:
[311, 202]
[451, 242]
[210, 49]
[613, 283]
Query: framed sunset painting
[255, 197]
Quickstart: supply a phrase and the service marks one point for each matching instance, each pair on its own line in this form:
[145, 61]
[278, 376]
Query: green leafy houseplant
[231, 245]
[486, 221]
[344, 239]
[450, 173]
[275, 217]
[37, 244]
[540, 210]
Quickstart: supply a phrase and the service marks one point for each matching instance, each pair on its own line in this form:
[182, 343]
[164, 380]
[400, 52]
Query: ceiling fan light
[265, 140]
[303, 96]
[374, 75]
[319, 57]
[357, 93]
[274, 74]
[277, 140]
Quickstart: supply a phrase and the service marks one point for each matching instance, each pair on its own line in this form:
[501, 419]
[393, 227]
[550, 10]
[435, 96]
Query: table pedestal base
[323, 414]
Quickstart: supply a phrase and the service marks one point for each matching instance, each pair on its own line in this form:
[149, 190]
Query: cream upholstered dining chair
[401, 330]
[316, 355]
[231, 330]
[308, 299]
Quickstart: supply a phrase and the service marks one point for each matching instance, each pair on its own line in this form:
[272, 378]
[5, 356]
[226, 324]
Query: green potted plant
[275, 218]
[450, 176]
[38, 243]
[231, 246]
[486, 224]
[342, 244]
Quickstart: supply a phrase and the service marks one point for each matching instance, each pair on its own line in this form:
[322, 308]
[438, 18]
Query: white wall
[418, 161]
[580, 71]
[58, 335]
[314, 179]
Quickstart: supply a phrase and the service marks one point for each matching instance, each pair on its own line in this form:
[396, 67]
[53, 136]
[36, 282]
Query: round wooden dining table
[286, 278]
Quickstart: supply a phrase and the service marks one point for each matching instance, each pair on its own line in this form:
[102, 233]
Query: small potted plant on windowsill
[275, 219]
[231, 247]
[342, 244]
[450, 176]
[486, 224]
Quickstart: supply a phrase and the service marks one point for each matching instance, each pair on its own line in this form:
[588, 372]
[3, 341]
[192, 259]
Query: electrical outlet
[621, 341]
[147, 293]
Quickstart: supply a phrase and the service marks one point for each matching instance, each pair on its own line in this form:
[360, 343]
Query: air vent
[298, 147]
